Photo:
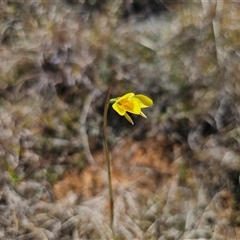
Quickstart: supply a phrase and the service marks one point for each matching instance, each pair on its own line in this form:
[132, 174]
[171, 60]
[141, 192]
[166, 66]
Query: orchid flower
[131, 103]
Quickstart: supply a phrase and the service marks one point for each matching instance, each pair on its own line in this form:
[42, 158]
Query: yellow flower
[131, 103]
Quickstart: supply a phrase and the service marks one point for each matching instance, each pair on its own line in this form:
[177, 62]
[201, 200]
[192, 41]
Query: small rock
[231, 160]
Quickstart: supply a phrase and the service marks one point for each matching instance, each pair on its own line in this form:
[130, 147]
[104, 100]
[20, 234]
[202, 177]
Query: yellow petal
[129, 118]
[125, 97]
[144, 100]
[143, 115]
[118, 109]
[132, 106]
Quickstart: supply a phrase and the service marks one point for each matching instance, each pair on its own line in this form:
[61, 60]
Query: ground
[175, 174]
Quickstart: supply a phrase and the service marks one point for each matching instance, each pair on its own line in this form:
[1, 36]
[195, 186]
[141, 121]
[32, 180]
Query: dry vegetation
[175, 175]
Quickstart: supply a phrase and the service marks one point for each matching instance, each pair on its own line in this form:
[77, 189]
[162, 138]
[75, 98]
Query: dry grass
[175, 175]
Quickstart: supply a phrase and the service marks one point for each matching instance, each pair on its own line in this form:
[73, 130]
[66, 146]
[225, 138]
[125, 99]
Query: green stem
[108, 161]
[113, 100]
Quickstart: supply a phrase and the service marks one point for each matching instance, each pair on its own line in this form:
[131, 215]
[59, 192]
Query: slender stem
[108, 161]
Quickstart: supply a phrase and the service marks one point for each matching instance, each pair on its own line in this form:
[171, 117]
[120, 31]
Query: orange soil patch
[145, 165]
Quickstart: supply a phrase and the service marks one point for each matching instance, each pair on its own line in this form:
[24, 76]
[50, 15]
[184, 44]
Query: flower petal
[144, 100]
[132, 106]
[129, 118]
[143, 115]
[118, 109]
[128, 95]
[125, 97]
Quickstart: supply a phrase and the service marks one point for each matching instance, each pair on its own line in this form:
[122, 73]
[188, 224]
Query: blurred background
[175, 174]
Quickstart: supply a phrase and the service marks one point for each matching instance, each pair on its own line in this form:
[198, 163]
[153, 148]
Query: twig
[217, 32]
[83, 119]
